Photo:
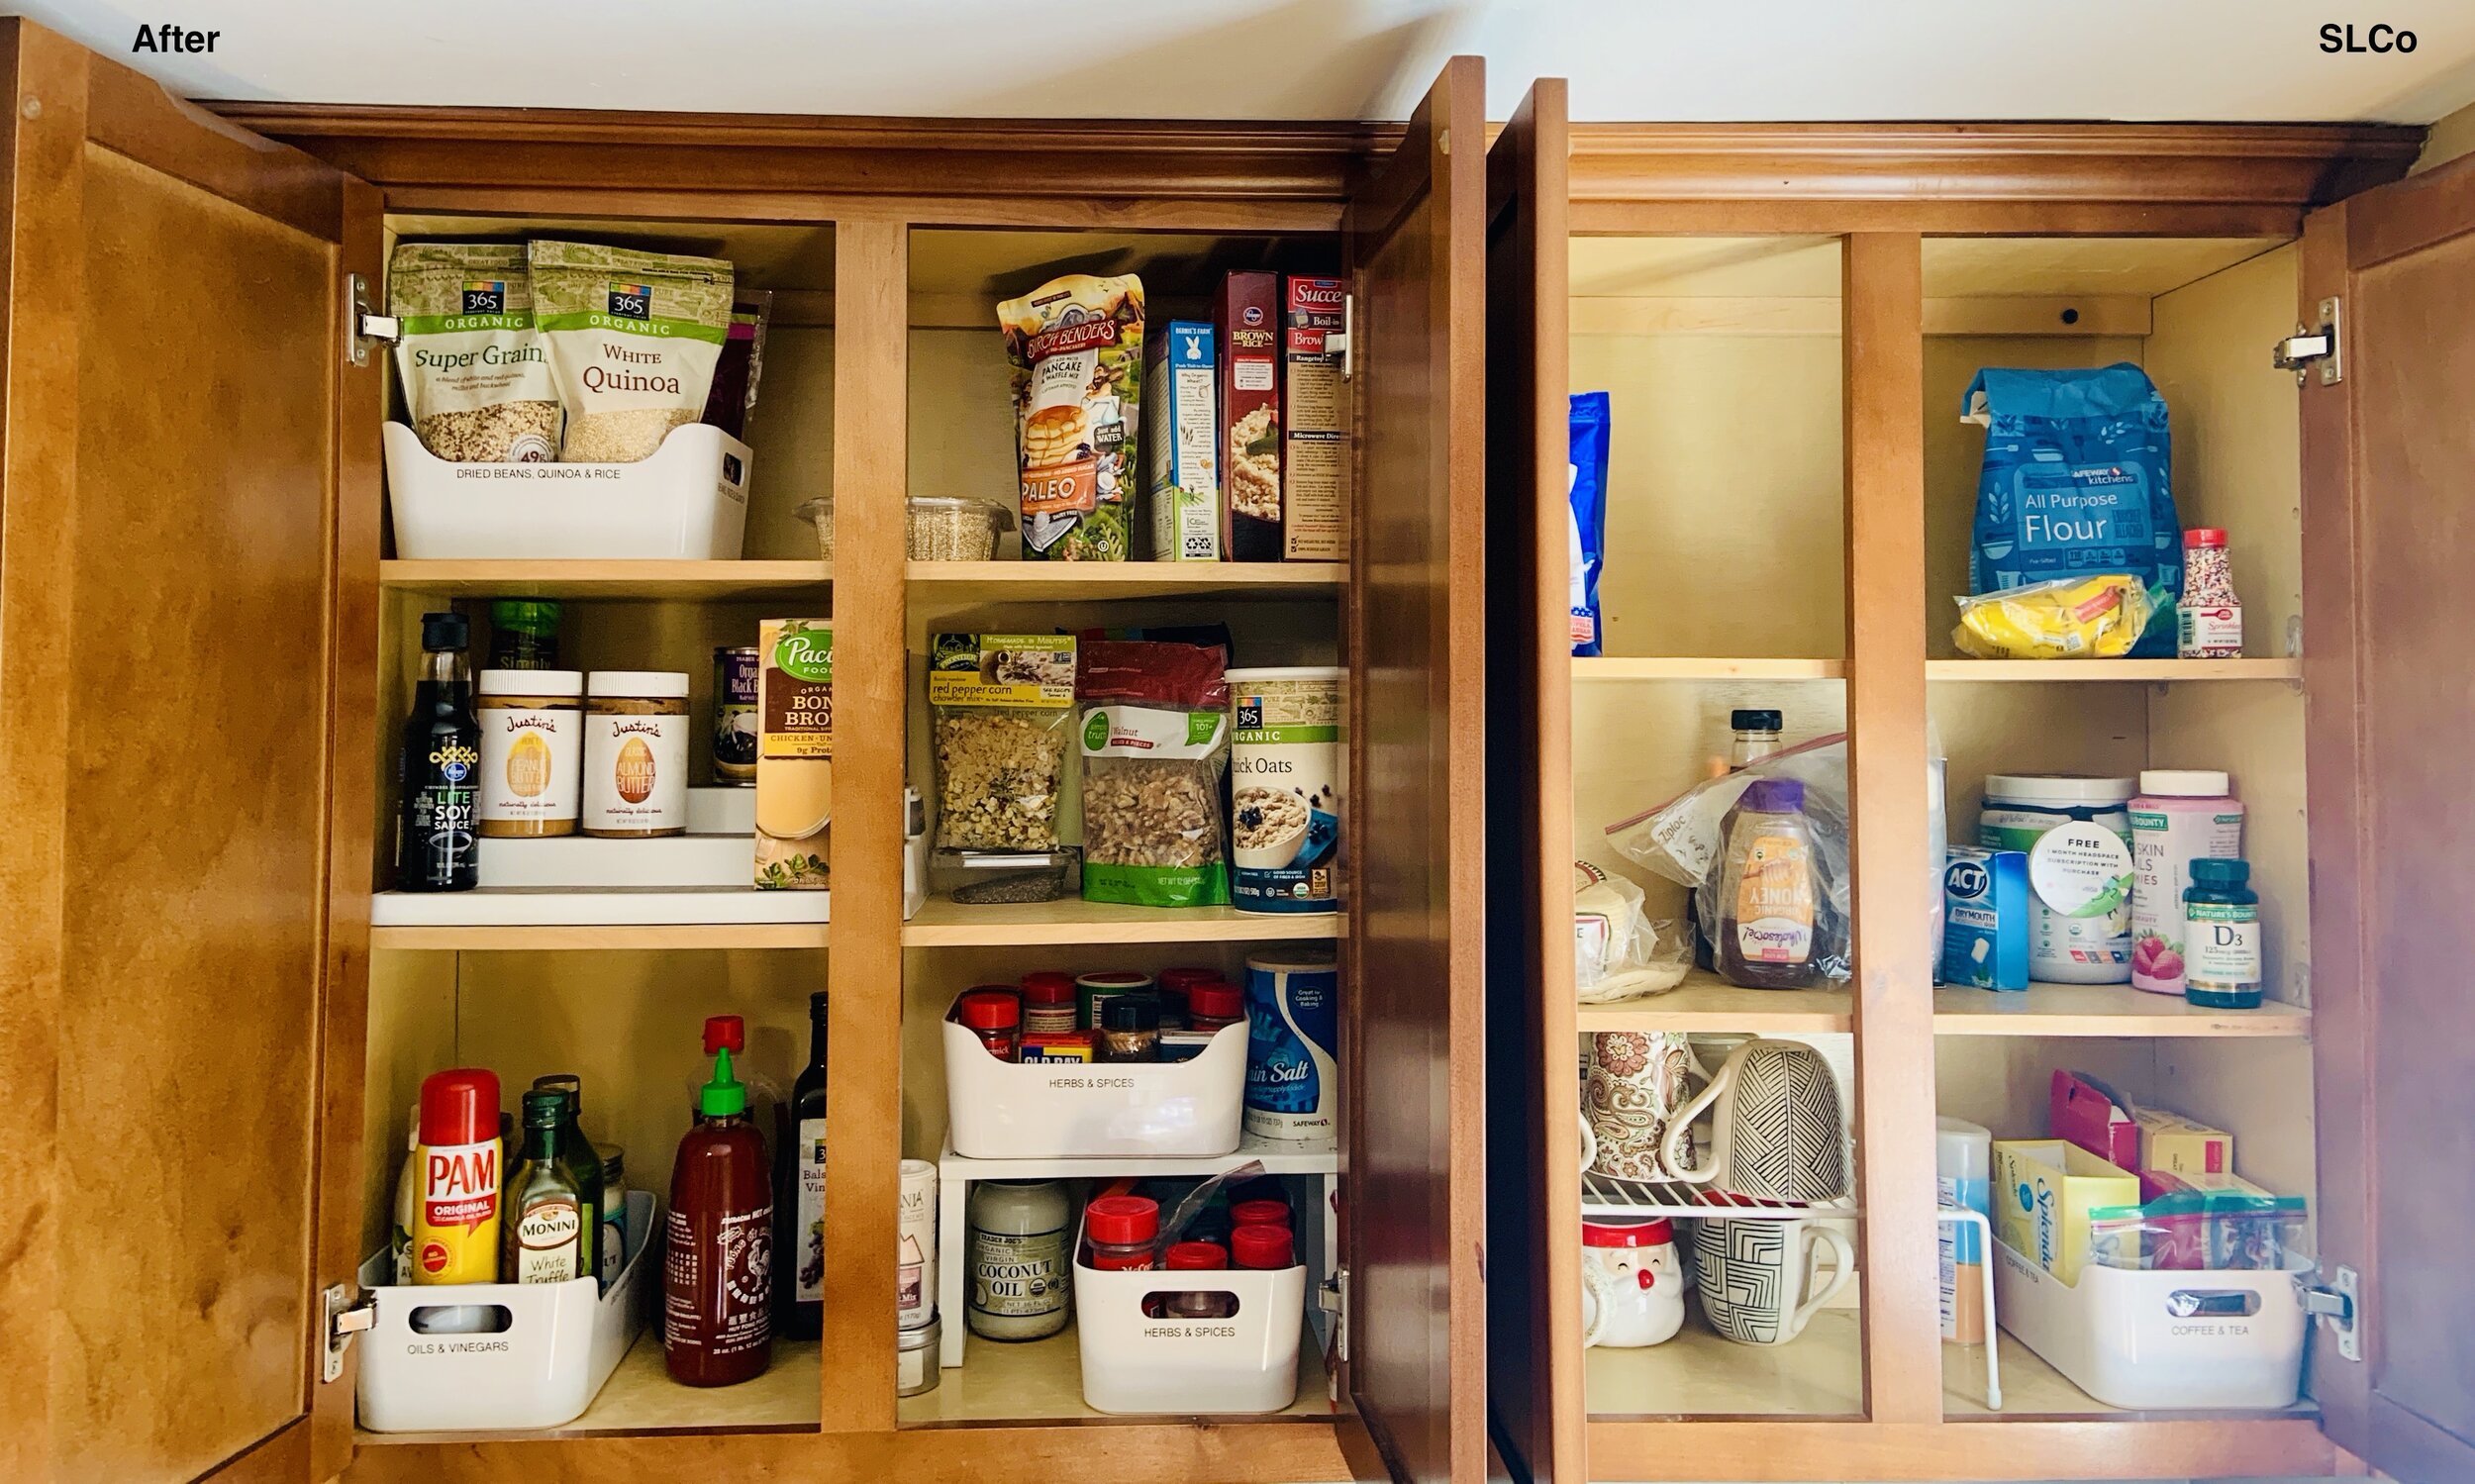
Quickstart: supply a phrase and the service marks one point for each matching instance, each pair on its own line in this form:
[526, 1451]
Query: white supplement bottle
[2077, 835]
[1021, 1268]
[2182, 815]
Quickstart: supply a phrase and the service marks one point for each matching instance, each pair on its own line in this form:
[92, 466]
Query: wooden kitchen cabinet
[210, 640]
[1785, 318]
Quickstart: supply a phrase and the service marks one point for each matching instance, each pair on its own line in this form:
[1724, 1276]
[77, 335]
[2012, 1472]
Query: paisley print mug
[1637, 1081]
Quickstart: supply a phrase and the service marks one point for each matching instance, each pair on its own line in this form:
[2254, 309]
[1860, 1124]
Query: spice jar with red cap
[1262, 1248]
[1177, 988]
[1214, 1005]
[1199, 1257]
[1048, 1007]
[1632, 1283]
[994, 1014]
[1260, 1212]
[1120, 1233]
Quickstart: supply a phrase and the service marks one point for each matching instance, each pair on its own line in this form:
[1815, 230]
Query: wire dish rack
[1605, 1195]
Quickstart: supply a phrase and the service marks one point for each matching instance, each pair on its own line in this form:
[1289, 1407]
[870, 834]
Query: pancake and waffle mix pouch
[1077, 347]
[2077, 482]
[634, 337]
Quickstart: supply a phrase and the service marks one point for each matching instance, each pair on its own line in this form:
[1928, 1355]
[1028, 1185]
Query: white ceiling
[1628, 59]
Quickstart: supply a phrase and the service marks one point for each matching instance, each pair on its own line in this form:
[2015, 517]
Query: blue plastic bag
[2077, 481]
[1586, 515]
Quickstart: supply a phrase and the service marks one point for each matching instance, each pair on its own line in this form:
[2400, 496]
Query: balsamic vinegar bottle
[799, 1200]
[437, 770]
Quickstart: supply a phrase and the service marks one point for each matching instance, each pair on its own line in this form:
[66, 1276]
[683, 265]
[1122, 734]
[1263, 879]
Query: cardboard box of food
[2170, 1143]
[794, 751]
[1181, 445]
[1246, 323]
[2044, 1191]
[1315, 405]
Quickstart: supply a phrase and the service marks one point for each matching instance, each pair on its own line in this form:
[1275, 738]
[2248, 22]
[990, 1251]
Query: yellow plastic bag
[2069, 618]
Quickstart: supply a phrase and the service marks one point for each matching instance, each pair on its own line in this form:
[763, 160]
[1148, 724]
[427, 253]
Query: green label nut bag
[476, 380]
[633, 338]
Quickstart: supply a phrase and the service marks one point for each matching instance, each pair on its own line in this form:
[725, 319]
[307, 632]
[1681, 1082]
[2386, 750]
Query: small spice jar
[734, 670]
[1177, 986]
[915, 1358]
[2210, 618]
[1216, 1006]
[1262, 1248]
[636, 754]
[1259, 1214]
[1130, 1031]
[1092, 991]
[531, 752]
[2222, 962]
[1119, 1233]
[994, 1014]
[1199, 1257]
[1048, 1003]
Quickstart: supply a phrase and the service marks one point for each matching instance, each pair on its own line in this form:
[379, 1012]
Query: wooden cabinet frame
[1879, 189]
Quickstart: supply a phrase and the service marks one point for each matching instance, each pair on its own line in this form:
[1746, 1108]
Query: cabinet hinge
[2308, 347]
[1346, 340]
[361, 328]
[1333, 1299]
[345, 1317]
[2335, 1307]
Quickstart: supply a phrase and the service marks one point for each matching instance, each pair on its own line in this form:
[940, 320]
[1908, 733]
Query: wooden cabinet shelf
[943, 923]
[685, 580]
[958, 582]
[1706, 1002]
[1042, 1380]
[2103, 1010]
[2086, 671]
[641, 1398]
[1631, 667]
[1699, 1375]
[710, 936]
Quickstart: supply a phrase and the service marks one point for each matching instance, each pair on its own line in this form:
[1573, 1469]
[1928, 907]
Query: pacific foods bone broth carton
[1181, 444]
[794, 751]
[1246, 320]
[1314, 474]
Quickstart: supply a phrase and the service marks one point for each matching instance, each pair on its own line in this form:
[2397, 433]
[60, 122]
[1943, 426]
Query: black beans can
[735, 715]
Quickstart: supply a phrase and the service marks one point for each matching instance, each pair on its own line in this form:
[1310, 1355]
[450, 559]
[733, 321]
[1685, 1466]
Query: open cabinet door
[2389, 517]
[189, 584]
[1414, 1096]
[1533, 1194]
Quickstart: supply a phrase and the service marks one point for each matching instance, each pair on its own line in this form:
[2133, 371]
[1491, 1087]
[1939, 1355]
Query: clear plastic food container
[944, 528]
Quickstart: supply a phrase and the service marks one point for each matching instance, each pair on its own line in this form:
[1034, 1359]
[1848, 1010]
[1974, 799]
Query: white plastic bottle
[2182, 815]
[2077, 837]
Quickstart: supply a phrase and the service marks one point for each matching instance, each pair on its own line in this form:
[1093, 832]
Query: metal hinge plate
[2338, 1312]
[362, 329]
[1333, 1299]
[2308, 347]
[345, 1317]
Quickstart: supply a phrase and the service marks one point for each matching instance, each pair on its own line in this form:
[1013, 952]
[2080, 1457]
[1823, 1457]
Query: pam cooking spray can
[1293, 1045]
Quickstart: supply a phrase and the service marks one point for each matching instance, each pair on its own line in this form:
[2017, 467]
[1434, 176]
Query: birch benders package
[1077, 347]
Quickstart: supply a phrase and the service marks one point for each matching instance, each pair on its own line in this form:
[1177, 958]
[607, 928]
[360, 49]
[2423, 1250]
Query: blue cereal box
[1181, 429]
[1985, 918]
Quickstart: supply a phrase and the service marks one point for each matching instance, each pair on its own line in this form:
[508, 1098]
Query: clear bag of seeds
[1001, 709]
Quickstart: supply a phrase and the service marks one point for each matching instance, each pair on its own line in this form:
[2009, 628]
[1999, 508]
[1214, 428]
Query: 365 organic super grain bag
[476, 380]
[633, 338]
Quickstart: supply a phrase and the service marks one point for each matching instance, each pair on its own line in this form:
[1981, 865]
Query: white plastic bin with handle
[1051, 1109]
[2164, 1338]
[546, 1352]
[1139, 1363]
[688, 502]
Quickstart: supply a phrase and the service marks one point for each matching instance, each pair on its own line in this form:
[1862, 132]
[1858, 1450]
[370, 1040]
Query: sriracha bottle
[718, 1271]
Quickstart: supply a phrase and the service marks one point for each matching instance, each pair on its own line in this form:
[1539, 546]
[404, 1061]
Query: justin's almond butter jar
[531, 752]
[636, 754]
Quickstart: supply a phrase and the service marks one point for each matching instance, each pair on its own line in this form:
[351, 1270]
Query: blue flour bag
[1585, 515]
[2077, 481]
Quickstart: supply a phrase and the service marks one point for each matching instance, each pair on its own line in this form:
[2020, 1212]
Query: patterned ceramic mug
[1760, 1281]
[1775, 1126]
[1636, 1082]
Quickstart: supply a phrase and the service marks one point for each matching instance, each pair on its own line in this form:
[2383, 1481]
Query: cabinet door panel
[169, 647]
[1415, 1213]
[2389, 513]
[1533, 1195]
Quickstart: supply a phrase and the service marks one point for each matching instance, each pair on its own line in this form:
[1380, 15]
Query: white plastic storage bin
[688, 502]
[2163, 1339]
[1065, 1110]
[559, 1344]
[1134, 1362]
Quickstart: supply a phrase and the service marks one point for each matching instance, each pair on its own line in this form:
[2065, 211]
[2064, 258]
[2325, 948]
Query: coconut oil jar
[636, 728]
[531, 752]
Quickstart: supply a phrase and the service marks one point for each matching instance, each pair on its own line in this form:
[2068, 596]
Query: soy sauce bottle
[437, 770]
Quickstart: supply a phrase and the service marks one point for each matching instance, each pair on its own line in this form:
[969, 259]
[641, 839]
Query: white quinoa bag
[633, 338]
[1287, 753]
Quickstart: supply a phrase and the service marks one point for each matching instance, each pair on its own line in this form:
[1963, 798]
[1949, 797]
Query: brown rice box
[1246, 316]
[1315, 475]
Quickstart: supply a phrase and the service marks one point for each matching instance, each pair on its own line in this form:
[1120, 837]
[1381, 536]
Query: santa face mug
[1638, 1080]
[1632, 1282]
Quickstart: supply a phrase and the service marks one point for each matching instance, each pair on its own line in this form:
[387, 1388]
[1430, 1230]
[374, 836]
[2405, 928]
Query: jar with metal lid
[531, 752]
[636, 754]
[915, 1358]
[1094, 990]
[735, 728]
[1021, 1275]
